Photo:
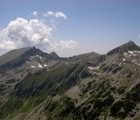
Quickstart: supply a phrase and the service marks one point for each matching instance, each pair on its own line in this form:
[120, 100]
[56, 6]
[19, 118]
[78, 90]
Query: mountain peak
[54, 54]
[129, 46]
[13, 54]
[129, 43]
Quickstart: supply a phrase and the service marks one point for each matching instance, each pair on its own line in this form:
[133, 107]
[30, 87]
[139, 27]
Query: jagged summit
[33, 51]
[129, 46]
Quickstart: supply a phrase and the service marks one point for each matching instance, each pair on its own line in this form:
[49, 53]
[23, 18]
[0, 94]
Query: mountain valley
[43, 86]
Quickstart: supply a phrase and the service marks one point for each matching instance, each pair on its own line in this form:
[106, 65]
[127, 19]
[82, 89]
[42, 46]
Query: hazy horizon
[71, 55]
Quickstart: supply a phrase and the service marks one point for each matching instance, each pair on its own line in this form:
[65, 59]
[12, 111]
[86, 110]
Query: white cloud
[35, 13]
[68, 44]
[28, 33]
[63, 44]
[60, 14]
[50, 13]
[56, 14]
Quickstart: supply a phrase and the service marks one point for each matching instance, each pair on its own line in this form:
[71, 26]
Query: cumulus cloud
[35, 13]
[28, 33]
[56, 14]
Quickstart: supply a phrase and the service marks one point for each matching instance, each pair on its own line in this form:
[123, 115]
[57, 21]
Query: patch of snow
[45, 65]
[32, 66]
[27, 62]
[113, 62]
[35, 56]
[124, 60]
[39, 65]
[137, 52]
[134, 52]
[93, 68]
[131, 53]
[126, 54]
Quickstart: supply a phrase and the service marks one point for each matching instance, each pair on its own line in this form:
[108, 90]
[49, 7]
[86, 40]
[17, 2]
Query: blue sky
[96, 25]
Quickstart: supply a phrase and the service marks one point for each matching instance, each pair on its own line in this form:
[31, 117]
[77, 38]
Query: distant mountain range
[43, 86]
